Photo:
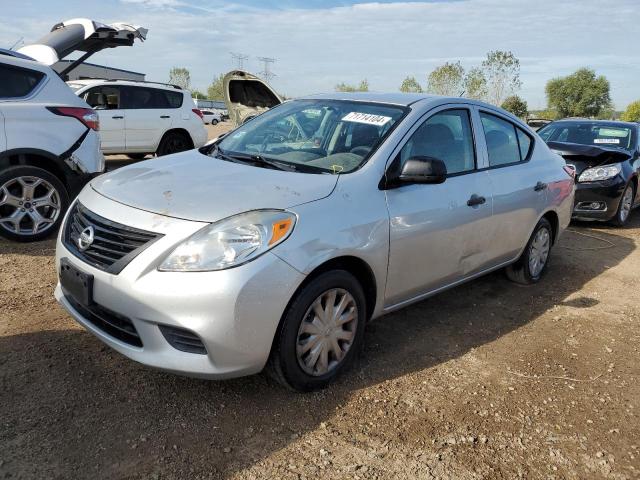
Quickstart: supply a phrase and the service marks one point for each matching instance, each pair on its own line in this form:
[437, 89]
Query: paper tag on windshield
[607, 140]
[368, 118]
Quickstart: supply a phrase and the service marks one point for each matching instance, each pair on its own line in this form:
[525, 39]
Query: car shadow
[43, 248]
[68, 400]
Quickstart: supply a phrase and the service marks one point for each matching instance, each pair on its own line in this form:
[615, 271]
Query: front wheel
[624, 209]
[214, 122]
[321, 332]
[32, 203]
[533, 262]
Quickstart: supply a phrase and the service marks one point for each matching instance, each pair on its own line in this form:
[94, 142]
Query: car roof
[602, 122]
[134, 83]
[394, 98]
[21, 61]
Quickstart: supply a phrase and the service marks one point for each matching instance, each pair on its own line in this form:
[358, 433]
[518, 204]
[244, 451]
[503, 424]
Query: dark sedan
[606, 158]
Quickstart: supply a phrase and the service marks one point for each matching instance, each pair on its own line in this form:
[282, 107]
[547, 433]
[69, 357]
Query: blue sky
[320, 43]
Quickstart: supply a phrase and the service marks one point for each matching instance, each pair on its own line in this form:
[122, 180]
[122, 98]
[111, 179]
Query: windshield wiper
[259, 160]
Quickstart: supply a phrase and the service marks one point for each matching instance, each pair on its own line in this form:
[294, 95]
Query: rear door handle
[476, 200]
[540, 186]
[165, 116]
[118, 117]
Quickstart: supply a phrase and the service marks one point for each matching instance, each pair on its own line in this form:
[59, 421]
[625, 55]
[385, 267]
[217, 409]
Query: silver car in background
[276, 244]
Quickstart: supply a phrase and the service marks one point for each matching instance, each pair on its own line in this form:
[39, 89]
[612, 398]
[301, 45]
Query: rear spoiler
[83, 35]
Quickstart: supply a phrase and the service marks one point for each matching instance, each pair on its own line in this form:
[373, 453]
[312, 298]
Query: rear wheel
[174, 142]
[533, 262]
[32, 203]
[214, 122]
[321, 332]
[625, 206]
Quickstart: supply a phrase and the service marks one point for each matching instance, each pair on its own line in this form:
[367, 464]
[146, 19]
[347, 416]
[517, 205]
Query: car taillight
[571, 171]
[197, 112]
[86, 116]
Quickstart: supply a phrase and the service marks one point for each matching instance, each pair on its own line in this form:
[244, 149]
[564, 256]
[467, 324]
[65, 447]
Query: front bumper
[605, 194]
[234, 312]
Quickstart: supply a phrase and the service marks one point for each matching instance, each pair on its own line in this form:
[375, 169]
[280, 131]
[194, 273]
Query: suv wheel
[32, 203]
[214, 122]
[321, 332]
[533, 262]
[624, 209]
[174, 142]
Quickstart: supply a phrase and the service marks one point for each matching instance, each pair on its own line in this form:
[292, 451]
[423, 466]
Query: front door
[149, 115]
[439, 233]
[107, 101]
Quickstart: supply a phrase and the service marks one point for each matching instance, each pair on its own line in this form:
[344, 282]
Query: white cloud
[317, 48]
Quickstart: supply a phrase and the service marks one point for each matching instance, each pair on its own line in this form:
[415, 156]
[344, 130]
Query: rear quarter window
[18, 82]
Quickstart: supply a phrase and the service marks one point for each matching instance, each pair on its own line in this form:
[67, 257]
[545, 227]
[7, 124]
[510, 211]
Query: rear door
[518, 184]
[107, 101]
[150, 113]
[439, 233]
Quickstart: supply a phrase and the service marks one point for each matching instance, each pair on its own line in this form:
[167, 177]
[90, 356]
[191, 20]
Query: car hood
[246, 96]
[193, 186]
[83, 35]
[588, 156]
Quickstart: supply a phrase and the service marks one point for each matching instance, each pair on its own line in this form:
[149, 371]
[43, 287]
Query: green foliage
[180, 76]
[475, 84]
[516, 105]
[632, 113]
[580, 94]
[502, 72]
[345, 87]
[195, 93]
[216, 90]
[410, 85]
[447, 79]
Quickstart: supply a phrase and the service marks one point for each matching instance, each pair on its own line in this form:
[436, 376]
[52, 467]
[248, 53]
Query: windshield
[333, 136]
[597, 134]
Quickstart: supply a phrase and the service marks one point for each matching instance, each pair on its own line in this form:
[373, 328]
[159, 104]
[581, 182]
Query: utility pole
[266, 72]
[239, 58]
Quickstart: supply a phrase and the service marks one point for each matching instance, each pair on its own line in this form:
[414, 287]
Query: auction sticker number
[368, 118]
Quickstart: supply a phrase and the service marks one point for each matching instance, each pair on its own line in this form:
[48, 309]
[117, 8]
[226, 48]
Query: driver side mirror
[419, 169]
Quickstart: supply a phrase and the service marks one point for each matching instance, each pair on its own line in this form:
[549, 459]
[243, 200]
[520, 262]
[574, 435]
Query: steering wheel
[361, 150]
[269, 135]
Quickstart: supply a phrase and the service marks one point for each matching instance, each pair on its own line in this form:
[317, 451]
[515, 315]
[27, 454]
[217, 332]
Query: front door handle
[476, 200]
[540, 186]
[118, 117]
[165, 116]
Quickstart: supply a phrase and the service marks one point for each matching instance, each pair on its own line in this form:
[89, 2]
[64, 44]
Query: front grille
[114, 245]
[183, 340]
[112, 323]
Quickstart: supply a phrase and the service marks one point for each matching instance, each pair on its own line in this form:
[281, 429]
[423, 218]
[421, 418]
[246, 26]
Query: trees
[475, 84]
[216, 89]
[345, 87]
[447, 79]
[632, 113]
[195, 93]
[410, 85]
[180, 76]
[581, 94]
[516, 105]
[502, 72]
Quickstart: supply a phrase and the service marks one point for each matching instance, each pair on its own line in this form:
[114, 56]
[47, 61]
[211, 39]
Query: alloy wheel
[28, 205]
[539, 251]
[625, 206]
[327, 332]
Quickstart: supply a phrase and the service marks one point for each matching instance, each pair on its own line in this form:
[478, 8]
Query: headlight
[600, 173]
[231, 242]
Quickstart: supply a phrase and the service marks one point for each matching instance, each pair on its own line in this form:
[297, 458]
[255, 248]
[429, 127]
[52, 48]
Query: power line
[266, 72]
[239, 58]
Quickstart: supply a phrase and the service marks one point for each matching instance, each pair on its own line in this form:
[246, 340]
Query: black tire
[621, 219]
[283, 362]
[520, 271]
[214, 122]
[9, 184]
[174, 142]
[136, 156]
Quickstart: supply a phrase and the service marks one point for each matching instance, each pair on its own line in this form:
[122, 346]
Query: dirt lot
[488, 380]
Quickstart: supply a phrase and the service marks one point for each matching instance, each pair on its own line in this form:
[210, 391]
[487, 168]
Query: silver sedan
[276, 244]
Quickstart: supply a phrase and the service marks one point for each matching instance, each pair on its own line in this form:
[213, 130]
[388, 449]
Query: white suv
[139, 118]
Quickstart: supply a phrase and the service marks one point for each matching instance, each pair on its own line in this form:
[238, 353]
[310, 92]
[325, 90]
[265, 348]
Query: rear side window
[103, 98]
[506, 143]
[151, 98]
[18, 82]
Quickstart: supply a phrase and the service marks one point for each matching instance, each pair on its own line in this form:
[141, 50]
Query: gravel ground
[488, 380]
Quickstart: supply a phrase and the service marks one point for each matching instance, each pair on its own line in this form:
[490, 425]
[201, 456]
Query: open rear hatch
[82, 35]
[247, 96]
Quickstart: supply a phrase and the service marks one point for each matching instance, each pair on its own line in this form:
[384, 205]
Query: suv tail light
[86, 116]
[197, 112]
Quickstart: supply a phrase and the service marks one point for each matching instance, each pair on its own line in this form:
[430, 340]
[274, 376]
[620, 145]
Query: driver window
[446, 136]
[103, 98]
